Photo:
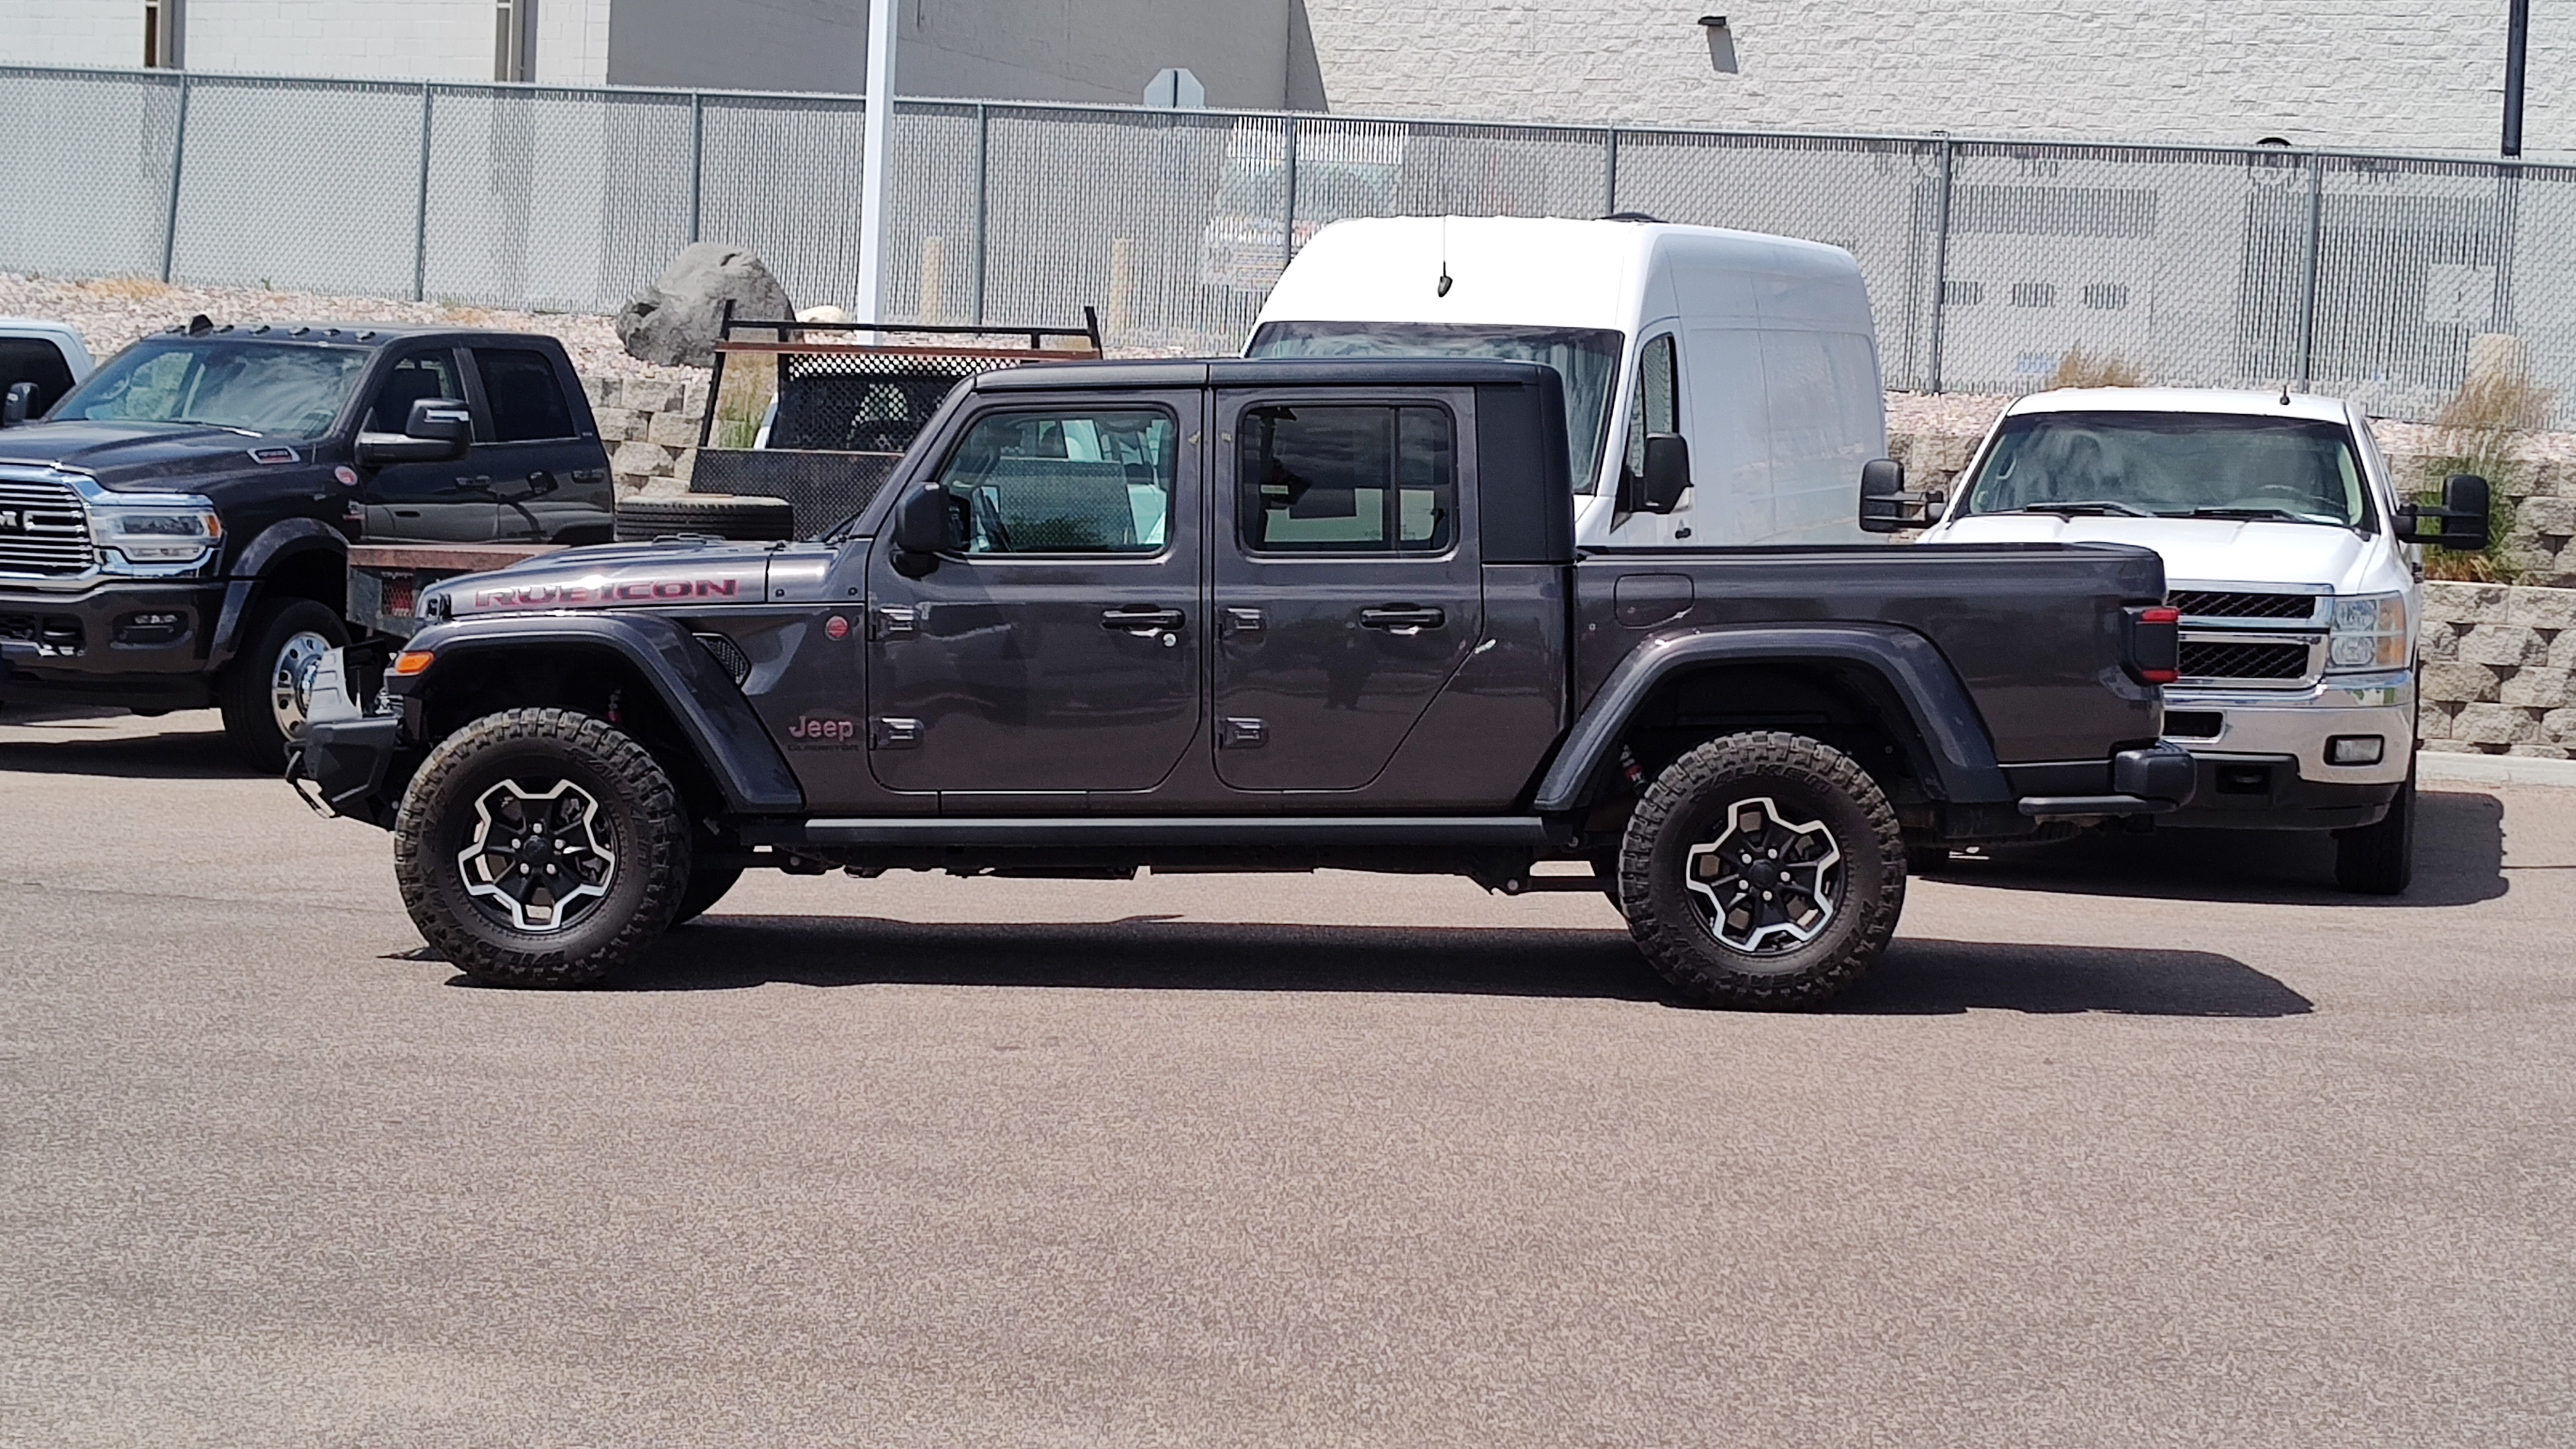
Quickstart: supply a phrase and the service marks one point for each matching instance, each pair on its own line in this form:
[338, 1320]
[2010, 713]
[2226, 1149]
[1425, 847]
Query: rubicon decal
[596, 592]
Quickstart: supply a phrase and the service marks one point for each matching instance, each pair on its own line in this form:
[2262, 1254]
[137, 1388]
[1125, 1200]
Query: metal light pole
[873, 189]
[2517, 37]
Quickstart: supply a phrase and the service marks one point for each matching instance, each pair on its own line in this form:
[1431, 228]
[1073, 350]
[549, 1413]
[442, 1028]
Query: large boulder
[674, 323]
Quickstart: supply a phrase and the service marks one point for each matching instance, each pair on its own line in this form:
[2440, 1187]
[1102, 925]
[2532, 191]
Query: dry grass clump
[467, 316]
[2480, 430]
[2079, 368]
[125, 289]
[749, 381]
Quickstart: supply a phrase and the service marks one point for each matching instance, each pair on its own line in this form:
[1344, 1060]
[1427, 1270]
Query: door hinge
[1242, 734]
[887, 733]
[893, 623]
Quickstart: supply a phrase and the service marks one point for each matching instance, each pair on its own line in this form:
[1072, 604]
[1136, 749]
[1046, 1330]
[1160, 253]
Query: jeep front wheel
[540, 847]
[1762, 870]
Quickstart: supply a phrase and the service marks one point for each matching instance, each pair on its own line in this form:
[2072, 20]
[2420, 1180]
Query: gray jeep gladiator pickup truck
[175, 531]
[1247, 616]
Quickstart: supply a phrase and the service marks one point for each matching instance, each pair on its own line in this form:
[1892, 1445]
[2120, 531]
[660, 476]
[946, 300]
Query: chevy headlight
[154, 529]
[2370, 632]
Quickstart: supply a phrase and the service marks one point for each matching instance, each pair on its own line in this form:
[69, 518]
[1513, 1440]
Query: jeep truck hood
[621, 575]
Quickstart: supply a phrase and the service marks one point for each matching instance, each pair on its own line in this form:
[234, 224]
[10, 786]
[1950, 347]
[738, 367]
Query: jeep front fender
[720, 724]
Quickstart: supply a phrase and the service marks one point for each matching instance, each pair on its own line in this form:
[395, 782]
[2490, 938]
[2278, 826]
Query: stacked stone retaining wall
[651, 429]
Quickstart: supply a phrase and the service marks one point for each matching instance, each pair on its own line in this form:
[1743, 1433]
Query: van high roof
[1552, 272]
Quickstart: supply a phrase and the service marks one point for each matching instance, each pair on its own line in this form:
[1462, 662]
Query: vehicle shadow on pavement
[721, 952]
[172, 755]
[2459, 861]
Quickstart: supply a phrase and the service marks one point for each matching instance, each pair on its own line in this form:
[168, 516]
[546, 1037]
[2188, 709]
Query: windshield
[2172, 465]
[1586, 357]
[261, 387]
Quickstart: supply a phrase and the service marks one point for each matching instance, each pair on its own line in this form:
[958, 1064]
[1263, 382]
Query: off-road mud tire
[2379, 860]
[1687, 806]
[707, 885]
[649, 843]
[243, 692]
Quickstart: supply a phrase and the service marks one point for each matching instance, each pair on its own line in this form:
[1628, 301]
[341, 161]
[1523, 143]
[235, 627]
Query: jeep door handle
[1143, 620]
[1403, 618]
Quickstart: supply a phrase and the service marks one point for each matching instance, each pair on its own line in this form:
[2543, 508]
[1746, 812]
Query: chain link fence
[1987, 262]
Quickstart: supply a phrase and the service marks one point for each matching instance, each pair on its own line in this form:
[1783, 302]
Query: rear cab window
[525, 397]
[1346, 479]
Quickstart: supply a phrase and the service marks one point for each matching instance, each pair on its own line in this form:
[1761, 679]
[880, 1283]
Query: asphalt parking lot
[2151, 1141]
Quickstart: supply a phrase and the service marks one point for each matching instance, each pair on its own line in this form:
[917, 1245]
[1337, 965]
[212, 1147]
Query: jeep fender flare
[274, 545]
[722, 728]
[1945, 719]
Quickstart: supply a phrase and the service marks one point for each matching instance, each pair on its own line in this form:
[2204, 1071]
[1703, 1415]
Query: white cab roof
[1552, 272]
[2182, 400]
[62, 334]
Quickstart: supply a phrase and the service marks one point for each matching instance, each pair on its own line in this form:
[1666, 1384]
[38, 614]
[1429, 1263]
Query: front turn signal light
[412, 661]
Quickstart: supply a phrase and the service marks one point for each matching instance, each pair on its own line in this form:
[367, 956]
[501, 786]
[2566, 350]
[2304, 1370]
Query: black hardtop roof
[352, 334]
[1267, 372]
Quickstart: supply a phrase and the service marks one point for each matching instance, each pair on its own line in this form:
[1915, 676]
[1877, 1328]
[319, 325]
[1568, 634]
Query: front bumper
[2264, 765]
[343, 763]
[93, 646]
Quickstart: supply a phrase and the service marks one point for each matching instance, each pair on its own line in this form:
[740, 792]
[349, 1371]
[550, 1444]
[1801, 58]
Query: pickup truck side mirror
[2461, 522]
[1668, 473]
[437, 431]
[1885, 504]
[15, 407]
[921, 528]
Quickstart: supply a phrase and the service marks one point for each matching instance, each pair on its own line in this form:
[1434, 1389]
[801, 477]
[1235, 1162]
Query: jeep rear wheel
[263, 689]
[1762, 870]
[539, 847]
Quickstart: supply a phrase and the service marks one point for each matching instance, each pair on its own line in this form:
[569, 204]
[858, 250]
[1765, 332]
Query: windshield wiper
[211, 423]
[2089, 508]
[2282, 514]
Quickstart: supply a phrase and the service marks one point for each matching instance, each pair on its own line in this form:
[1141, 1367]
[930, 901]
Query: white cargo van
[2292, 559]
[1755, 352]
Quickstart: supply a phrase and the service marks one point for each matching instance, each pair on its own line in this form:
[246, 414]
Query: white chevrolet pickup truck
[2293, 560]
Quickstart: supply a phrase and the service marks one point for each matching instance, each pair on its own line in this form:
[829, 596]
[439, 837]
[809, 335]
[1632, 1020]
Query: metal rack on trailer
[844, 411]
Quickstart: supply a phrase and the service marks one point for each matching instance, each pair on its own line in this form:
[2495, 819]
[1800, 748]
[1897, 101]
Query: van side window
[1655, 407]
[1346, 480]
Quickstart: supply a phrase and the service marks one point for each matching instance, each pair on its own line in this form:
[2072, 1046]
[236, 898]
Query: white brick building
[2412, 75]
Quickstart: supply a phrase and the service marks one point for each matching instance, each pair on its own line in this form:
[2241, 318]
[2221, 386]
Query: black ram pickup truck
[1245, 616]
[175, 531]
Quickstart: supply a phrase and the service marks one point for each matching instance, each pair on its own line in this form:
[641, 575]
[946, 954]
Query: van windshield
[1586, 357]
[2172, 465]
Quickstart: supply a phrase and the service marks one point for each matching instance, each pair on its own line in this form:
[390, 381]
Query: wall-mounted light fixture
[1721, 43]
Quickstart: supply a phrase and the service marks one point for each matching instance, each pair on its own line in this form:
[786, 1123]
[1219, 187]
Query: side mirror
[438, 431]
[15, 407]
[1668, 473]
[1886, 506]
[2461, 522]
[921, 528]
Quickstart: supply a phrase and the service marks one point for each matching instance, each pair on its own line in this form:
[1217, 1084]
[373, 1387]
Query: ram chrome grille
[2228, 659]
[2222, 604]
[42, 529]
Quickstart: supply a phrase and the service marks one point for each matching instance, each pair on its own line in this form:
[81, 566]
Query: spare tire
[719, 515]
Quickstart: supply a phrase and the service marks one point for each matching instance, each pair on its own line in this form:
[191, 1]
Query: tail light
[2155, 644]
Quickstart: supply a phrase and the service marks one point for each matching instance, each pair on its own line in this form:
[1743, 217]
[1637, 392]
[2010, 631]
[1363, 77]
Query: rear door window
[1347, 480]
[526, 399]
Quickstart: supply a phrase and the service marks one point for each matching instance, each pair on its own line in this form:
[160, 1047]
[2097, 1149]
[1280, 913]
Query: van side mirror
[1668, 473]
[2460, 524]
[437, 431]
[921, 528]
[15, 407]
[1886, 506]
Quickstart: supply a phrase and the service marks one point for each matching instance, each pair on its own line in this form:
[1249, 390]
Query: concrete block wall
[651, 428]
[2499, 670]
[72, 32]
